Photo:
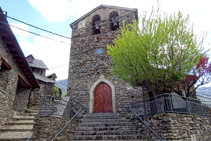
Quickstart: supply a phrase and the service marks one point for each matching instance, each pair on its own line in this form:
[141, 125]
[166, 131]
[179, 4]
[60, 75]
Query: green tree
[157, 54]
[56, 90]
[64, 94]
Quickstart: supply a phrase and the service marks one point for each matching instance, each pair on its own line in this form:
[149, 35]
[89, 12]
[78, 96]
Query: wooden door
[103, 98]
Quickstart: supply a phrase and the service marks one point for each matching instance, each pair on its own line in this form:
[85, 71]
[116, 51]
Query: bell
[97, 27]
[115, 20]
[115, 23]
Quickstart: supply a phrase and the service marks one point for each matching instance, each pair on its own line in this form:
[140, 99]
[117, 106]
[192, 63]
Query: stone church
[90, 81]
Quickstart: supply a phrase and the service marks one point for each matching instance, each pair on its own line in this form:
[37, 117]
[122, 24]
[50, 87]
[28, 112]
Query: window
[96, 24]
[114, 20]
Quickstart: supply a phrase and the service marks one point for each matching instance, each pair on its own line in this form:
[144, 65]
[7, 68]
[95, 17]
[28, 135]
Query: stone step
[16, 128]
[20, 136]
[105, 124]
[106, 137]
[23, 118]
[102, 117]
[127, 132]
[20, 122]
[114, 140]
[104, 120]
[32, 111]
[27, 114]
[101, 114]
[106, 128]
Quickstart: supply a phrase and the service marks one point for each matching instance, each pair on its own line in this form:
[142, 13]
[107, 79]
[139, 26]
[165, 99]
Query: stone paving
[20, 128]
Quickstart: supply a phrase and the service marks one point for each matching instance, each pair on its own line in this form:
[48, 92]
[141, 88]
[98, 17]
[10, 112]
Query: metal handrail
[146, 124]
[66, 124]
[54, 109]
[174, 104]
[200, 95]
[32, 135]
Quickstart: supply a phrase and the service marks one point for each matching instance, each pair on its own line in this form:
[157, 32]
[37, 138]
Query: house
[90, 81]
[52, 76]
[17, 80]
[46, 82]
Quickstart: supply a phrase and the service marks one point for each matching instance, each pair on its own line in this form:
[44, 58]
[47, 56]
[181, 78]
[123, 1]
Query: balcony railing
[173, 103]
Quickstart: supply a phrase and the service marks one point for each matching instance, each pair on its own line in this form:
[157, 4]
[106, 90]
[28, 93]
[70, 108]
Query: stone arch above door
[101, 79]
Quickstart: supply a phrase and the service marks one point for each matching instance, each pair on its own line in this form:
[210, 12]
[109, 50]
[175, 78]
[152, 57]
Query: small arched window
[96, 24]
[114, 20]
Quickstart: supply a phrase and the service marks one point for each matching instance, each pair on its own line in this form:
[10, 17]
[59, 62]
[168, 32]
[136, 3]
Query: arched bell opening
[114, 20]
[96, 24]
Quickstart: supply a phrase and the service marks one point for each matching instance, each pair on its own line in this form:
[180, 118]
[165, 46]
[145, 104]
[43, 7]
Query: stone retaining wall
[45, 89]
[50, 126]
[180, 127]
[21, 100]
[6, 105]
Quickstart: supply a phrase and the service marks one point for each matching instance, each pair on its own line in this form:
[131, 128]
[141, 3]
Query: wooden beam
[3, 33]
[10, 47]
[6, 40]
[6, 64]
[18, 60]
[23, 82]
[15, 54]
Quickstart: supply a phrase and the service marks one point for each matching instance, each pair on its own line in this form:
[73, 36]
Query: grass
[30, 106]
[194, 114]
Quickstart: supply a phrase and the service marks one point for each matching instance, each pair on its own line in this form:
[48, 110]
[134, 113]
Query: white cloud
[20, 32]
[60, 10]
[51, 52]
[53, 10]
[56, 54]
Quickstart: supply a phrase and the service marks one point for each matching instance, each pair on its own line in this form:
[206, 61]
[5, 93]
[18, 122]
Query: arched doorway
[103, 98]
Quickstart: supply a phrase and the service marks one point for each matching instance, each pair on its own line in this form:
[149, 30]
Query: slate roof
[105, 6]
[12, 44]
[43, 78]
[51, 75]
[38, 64]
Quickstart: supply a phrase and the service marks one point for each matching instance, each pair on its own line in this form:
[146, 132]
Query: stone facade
[46, 84]
[6, 107]
[9, 78]
[21, 100]
[45, 89]
[50, 126]
[89, 59]
[176, 127]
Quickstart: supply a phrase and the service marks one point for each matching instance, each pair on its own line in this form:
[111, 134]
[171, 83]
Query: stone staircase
[106, 126]
[20, 128]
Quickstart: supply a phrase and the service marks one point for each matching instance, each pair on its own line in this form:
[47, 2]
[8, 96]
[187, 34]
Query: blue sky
[56, 15]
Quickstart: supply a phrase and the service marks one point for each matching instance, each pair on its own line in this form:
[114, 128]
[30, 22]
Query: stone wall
[45, 89]
[87, 64]
[50, 126]
[6, 106]
[8, 83]
[21, 100]
[13, 74]
[181, 127]
[39, 71]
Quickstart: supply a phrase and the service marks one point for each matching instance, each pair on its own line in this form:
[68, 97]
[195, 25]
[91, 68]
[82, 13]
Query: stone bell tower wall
[89, 59]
